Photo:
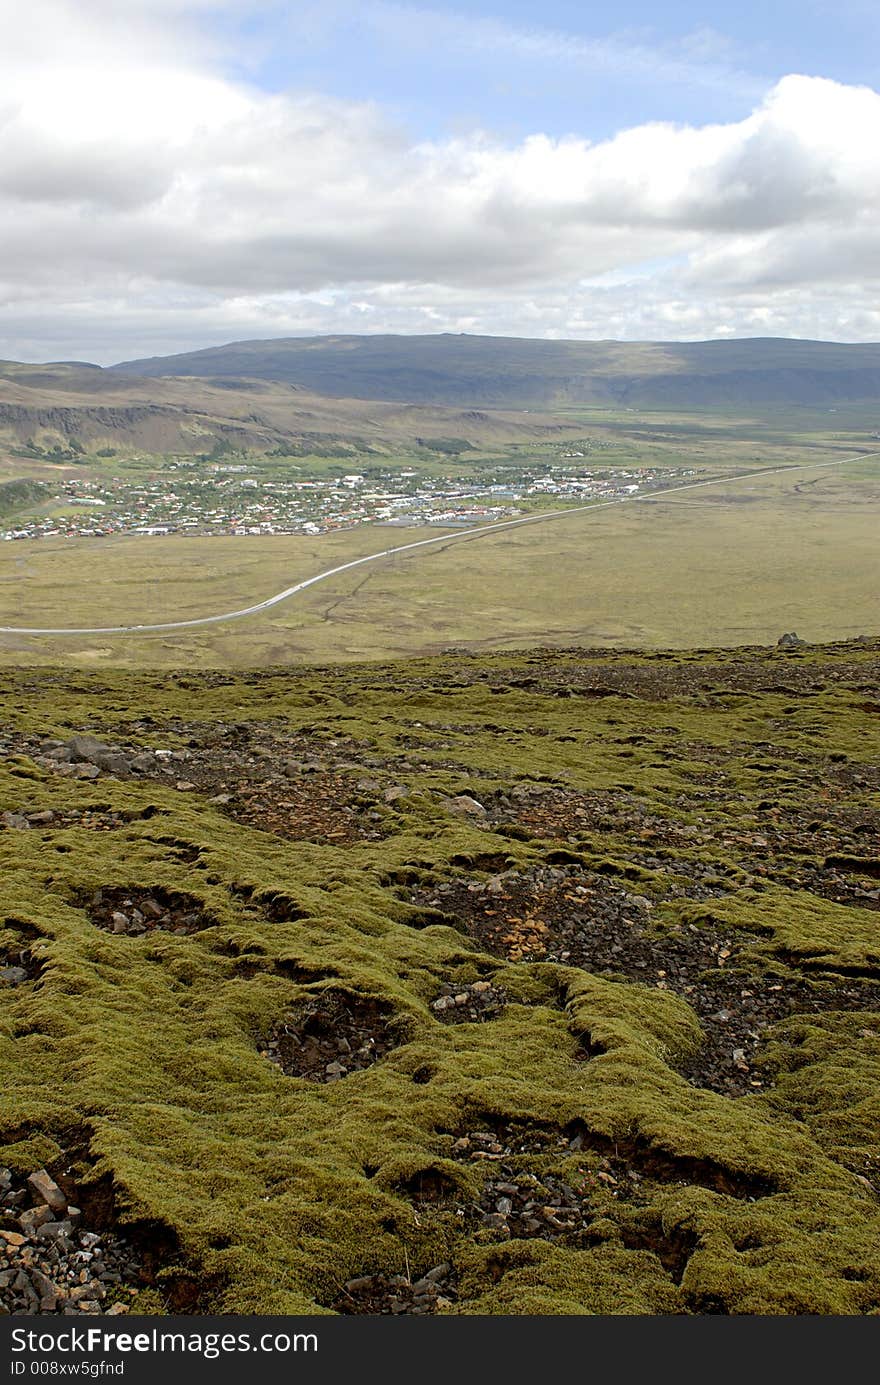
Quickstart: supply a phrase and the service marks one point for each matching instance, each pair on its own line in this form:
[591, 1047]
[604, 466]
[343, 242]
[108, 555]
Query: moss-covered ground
[342, 843]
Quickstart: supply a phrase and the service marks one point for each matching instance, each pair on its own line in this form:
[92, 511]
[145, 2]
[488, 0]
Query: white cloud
[148, 203]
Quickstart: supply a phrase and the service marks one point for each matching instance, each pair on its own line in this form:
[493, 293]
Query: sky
[181, 173]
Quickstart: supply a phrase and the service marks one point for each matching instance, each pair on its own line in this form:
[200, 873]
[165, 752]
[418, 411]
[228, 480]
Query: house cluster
[244, 500]
[604, 485]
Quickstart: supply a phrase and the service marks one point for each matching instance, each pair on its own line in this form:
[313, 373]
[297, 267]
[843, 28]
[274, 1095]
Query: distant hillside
[512, 372]
[52, 409]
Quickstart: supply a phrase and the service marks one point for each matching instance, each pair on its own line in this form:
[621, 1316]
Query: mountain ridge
[505, 372]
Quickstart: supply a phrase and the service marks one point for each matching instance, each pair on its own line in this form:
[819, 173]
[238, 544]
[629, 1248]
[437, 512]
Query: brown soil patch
[398, 1294]
[566, 914]
[331, 1036]
[473, 1004]
[135, 911]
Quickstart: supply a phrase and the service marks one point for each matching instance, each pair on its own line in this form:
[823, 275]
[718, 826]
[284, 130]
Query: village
[241, 499]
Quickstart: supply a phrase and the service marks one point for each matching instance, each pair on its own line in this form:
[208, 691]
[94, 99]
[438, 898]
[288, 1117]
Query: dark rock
[12, 976]
[88, 750]
[474, 1003]
[307, 1042]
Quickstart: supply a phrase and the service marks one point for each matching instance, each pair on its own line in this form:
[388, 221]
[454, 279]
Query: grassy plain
[720, 566]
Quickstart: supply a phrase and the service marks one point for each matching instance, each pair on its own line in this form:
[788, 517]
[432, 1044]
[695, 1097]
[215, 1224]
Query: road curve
[422, 543]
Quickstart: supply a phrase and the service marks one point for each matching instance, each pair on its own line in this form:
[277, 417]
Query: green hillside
[20, 494]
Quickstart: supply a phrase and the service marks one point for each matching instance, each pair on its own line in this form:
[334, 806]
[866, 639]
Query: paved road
[420, 543]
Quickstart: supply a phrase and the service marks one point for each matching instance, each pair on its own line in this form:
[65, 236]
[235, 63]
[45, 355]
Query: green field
[722, 566]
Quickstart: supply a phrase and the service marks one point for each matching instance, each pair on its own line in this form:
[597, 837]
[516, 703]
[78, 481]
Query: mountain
[514, 372]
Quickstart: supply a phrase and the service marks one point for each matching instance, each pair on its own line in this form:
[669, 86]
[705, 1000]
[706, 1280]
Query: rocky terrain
[50, 1262]
[544, 982]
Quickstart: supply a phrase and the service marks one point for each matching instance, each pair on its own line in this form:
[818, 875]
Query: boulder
[46, 1190]
[463, 803]
[12, 976]
[88, 750]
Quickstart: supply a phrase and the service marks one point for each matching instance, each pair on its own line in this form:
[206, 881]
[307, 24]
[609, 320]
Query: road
[467, 535]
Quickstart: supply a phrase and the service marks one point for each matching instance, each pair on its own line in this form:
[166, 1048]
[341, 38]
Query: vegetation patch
[668, 1055]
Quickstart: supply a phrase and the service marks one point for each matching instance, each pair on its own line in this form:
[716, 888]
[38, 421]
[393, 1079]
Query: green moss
[138, 1058]
[816, 934]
